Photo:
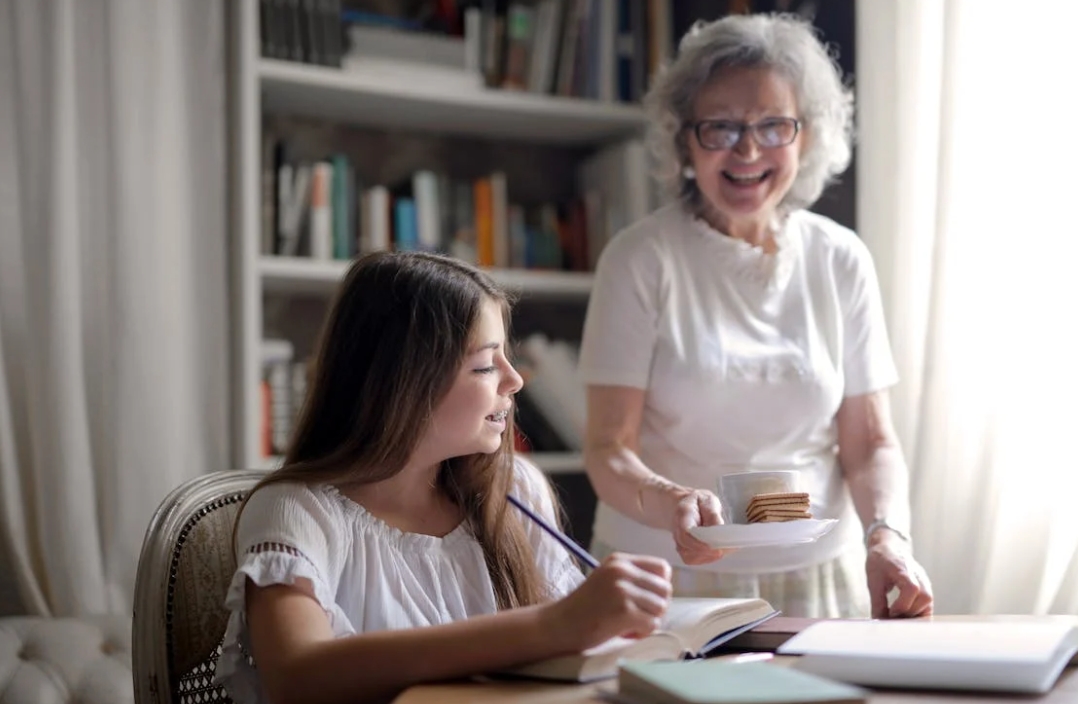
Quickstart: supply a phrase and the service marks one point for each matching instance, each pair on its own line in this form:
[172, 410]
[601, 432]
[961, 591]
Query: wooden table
[1065, 692]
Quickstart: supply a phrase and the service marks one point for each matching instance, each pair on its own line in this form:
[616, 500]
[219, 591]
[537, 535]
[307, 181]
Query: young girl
[384, 553]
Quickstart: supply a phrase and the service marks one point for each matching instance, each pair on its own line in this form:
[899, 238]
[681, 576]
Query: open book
[692, 628]
[972, 654]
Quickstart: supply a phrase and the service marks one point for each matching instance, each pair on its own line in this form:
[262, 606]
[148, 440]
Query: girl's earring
[689, 173]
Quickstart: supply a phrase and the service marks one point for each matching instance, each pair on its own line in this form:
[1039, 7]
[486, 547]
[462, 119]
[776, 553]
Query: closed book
[321, 224]
[768, 636]
[724, 682]
[988, 655]
[405, 228]
[484, 222]
[691, 628]
[428, 208]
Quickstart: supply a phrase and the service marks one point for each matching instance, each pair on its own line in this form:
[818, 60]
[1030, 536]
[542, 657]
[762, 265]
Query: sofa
[83, 660]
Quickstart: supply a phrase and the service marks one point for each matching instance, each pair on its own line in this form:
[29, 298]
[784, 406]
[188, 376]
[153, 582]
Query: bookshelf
[260, 86]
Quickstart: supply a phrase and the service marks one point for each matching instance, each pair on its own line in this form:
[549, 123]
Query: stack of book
[597, 49]
[307, 31]
[319, 208]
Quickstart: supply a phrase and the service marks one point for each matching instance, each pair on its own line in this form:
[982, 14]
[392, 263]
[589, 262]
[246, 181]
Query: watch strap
[881, 524]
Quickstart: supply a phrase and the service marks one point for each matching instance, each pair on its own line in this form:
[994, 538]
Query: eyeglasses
[768, 133]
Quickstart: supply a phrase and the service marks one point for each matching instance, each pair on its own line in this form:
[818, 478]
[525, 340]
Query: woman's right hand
[626, 595]
[692, 508]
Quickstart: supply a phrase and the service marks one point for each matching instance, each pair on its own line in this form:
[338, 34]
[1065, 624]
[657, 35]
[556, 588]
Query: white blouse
[745, 358]
[367, 575]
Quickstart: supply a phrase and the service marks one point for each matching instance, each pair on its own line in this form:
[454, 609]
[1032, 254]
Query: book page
[602, 661]
[697, 621]
[688, 626]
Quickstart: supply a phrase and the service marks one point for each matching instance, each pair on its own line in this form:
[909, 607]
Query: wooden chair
[183, 575]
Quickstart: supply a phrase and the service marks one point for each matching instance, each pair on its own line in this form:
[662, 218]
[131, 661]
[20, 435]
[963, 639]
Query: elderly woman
[735, 331]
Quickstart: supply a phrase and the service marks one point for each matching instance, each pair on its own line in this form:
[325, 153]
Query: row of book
[550, 409]
[600, 49]
[320, 209]
[307, 31]
[283, 388]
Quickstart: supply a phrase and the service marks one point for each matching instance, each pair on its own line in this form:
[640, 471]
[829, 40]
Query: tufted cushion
[65, 660]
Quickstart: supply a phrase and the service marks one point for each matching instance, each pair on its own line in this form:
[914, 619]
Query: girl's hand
[695, 507]
[626, 595]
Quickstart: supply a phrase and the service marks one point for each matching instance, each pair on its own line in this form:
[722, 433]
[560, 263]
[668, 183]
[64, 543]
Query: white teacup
[736, 490]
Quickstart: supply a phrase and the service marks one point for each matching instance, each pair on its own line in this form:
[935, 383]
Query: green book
[724, 682]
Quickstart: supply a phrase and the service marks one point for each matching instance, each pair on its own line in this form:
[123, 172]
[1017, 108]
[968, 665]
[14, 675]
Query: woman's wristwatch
[881, 524]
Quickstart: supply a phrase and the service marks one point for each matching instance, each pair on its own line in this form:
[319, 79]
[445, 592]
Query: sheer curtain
[967, 180]
[113, 344]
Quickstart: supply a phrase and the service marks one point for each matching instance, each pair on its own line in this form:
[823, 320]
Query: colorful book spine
[404, 225]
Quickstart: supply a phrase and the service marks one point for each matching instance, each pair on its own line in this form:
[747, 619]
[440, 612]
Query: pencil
[582, 554]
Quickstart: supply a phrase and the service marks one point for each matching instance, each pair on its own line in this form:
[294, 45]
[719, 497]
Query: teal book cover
[725, 682]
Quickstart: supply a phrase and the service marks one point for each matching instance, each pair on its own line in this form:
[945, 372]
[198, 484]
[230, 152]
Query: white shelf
[549, 462]
[423, 104]
[302, 275]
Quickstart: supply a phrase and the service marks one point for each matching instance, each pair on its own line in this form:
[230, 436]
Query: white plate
[756, 535]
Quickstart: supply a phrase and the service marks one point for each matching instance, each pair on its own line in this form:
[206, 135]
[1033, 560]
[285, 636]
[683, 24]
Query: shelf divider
[422, 104]
[304, 275]
[548, 462]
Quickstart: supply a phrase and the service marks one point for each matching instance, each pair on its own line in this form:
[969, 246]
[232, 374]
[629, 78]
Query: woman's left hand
[890, 565]
[696, 507]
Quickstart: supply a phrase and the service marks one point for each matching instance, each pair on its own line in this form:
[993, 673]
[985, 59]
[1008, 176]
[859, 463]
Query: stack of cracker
[775, 508]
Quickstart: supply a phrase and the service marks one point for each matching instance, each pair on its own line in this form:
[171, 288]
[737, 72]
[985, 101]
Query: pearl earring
[689, 173]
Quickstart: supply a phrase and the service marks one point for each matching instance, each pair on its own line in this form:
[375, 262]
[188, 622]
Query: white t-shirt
[745, 358]
[367, 575]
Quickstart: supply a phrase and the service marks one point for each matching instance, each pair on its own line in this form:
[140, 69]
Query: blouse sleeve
[867, 362]
[285, 533]
[555, 563]
[620, 328]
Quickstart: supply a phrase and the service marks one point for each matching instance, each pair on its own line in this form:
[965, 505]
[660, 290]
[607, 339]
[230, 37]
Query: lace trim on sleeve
[276, 547]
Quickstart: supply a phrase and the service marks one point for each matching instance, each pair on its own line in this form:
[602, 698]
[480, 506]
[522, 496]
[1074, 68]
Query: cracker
[785, 497]
[778, 514]
[793, 513]
[779, 519]
[777, 507]
[800, 506]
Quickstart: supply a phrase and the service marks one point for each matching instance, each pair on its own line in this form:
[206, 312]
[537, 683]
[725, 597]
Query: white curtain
[113, 340]
[967, 185]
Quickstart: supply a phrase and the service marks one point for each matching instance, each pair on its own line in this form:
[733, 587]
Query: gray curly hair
[784, 43]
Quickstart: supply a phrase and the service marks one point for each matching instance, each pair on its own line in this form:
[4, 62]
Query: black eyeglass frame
[742, 128]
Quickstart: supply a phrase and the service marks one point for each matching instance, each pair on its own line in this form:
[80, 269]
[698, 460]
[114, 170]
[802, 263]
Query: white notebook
[986, 655]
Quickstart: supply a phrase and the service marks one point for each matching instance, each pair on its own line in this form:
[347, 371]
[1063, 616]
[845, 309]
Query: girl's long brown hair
[389, 351]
